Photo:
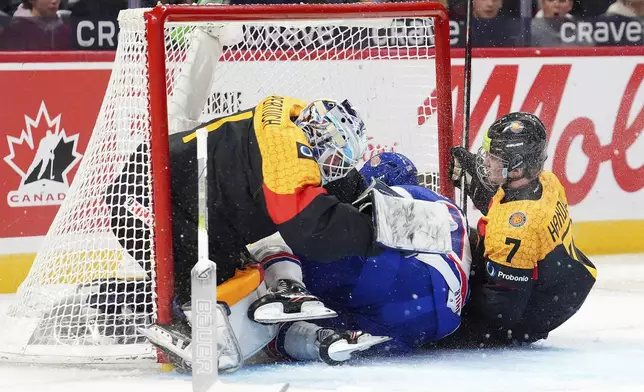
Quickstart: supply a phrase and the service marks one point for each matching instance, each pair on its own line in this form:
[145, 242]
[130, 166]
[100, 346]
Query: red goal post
[156, 21]
[391, 60]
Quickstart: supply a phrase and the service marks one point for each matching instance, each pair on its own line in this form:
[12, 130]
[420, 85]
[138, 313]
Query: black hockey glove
[348, 188]
[463, 164]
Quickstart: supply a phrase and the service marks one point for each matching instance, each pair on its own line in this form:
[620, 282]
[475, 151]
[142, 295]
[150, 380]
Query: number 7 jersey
[534, 276]
[520, 234]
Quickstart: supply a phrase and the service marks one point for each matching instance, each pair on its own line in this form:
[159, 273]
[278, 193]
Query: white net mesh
[93, 282]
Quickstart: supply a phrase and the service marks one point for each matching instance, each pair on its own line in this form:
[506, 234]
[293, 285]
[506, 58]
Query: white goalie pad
[238, 337]
[411, 225]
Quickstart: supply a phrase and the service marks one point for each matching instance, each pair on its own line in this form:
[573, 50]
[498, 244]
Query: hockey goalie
[272, 166]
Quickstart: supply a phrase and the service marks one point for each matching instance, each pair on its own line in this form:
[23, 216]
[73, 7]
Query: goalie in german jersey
[528, 275]
[283, 165]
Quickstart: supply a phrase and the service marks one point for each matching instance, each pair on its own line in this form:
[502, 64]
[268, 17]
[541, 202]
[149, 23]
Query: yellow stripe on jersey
[521, 233]
[215, 125]
[277, 136]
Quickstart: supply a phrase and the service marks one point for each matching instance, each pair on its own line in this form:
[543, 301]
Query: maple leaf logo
[42, 156]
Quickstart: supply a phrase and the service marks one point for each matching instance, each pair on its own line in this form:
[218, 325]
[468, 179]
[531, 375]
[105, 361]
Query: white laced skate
[336, 346]
[290, 302]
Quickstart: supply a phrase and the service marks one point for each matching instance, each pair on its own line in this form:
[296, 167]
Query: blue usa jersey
[414, 299]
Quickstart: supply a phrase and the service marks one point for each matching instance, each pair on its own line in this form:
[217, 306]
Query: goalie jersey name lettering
[272, 110]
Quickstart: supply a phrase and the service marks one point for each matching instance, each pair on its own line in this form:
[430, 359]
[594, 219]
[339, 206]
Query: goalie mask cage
[177, 66]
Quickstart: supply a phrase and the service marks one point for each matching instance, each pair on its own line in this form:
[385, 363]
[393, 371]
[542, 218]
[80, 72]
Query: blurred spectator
[97, 9]
[628, 8]
[39, 29]
[5, 6]
[546, 25]
[22, 11]
[487, 9]
[5, 19]
[554, 8]
[590, 7]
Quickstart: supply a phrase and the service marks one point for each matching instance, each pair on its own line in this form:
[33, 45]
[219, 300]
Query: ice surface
[599, 349]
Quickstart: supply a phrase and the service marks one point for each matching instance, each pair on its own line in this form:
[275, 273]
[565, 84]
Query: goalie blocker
[407, 224]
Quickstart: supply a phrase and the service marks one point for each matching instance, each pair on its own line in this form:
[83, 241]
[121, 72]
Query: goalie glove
[463, 165]
[407, 224]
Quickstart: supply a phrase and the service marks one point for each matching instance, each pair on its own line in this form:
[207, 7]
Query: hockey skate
[172, 341]
[289, 302]
[305, 341]
[175, 341]
[336, 345]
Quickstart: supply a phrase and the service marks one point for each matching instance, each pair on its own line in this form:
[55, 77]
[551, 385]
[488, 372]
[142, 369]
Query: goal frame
[155, 21]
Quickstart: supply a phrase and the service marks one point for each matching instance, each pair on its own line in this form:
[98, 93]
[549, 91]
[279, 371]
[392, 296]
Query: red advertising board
[41, 107]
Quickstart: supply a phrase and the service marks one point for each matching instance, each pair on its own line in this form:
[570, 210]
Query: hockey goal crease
[175, 67]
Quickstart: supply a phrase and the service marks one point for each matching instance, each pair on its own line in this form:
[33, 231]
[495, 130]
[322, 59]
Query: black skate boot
[290, 301]
[336, 345]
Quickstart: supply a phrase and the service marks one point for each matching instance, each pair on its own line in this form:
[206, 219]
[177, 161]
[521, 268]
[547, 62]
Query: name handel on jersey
[558, 221]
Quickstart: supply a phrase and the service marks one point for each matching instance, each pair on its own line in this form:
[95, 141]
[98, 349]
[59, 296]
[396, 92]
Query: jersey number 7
[515, 247]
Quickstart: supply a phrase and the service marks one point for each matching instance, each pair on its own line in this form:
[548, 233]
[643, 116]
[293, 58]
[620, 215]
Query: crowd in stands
[44, 24]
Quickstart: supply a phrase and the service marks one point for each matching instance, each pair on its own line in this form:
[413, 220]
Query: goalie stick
[205, 355]
[203, 287]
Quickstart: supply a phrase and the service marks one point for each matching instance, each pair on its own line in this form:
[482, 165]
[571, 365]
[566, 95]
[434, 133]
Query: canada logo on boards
[42, 155]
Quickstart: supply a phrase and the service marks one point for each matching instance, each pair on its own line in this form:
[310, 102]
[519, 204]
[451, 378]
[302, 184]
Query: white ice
[600, 349]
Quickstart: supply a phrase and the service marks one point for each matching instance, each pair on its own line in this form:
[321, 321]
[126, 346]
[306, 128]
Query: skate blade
[274, 313]
[341, 350]
[163, 340]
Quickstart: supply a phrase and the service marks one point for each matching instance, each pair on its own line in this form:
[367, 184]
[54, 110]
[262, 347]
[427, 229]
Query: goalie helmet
[514, 141]
[391, 168]
[337, 136]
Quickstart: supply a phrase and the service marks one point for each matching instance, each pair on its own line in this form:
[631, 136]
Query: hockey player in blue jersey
[414, 299]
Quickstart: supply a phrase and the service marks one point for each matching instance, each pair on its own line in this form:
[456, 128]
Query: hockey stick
[467, 76]
[204, 287]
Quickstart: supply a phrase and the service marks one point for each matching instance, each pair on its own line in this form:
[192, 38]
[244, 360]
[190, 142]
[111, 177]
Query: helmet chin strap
[510, 180]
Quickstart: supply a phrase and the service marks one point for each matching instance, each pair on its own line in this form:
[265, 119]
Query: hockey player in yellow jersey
[528, 277]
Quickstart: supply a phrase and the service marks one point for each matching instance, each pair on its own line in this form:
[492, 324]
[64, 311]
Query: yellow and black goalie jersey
[262, 178]
[530, 277]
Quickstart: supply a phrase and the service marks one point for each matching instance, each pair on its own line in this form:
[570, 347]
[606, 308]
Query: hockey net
[85, 294]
